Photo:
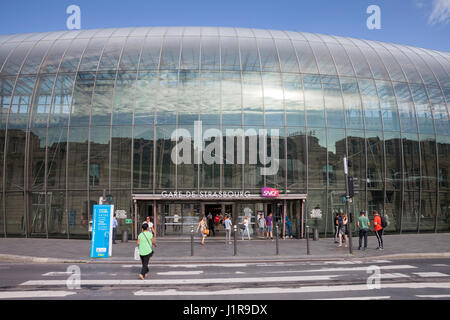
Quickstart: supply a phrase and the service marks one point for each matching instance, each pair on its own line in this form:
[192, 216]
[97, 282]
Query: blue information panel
[101, 243]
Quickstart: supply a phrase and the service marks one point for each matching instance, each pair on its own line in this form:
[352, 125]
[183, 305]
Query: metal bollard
[277, 250]
[192, 242]
[235, 239]
[307, 240]
[125, 236]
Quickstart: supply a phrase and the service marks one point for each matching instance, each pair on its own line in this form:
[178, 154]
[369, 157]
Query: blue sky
[422, 23]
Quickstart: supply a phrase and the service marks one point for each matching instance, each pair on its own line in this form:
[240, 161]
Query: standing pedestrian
[289, 227]
[150, 226]
[245, 224]
[114, 229]
[145, 242]
[261, 223]
[378, 229]
[203, 226]
[363, 225]
[211, 223]
[228, 224]
[336, 227]
[269, 226]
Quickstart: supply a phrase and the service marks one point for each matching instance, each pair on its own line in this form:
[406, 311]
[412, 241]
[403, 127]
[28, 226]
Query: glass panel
[395, 71]
[443, 221]
[393, 210]
[35, 58]
[436, 65]
[357, 154]
[336, 154]
[102, 99]
[42, 101]
[261, 33]
[230, 54]
[190, 54]
[428, 150]
[170, 55]
[227, 32]
[15, 219]
[125, 89]
[249, 54]
[343, 64]
[244, 32]
[317, 199]
[2, 212]
[352, 101]
[143, 158]
[147, 83]
[167, 98]
[333, 102]
[209, 98]
[231, 98]
[252, 99]
[78, 157]
[57, 220]
[21, 103]
[393, 160]
[210, 53]
[410, 211]
[121, 157]
[444, 162]
[412, 161]
[425, 71]
[56, 158]
[15, 60]
[314, 101]
[15, 157]
[324, 59]
[276, 177]
[376, 65]
[131, 53]
[37, 156]
[288, 57]
[151, 52]
[5, 50]
[305, 57]
[111, 53]
[362, 69]
[232, 168]
[273, 100]
[296, 159]
[82, 99]
[73, 55]
[440, 114]
[189, 93]
[428, 211]
[209, 172]
[406, 64]
[375, 158]
[253, 179]
[424, 117]
[370, 103]
[54, 56]
[317, 163]
[99, 158]
[294, 100]
[92, 54]
[405, 107]
[78, 214]
[165, 168]
[388, 106]
[269, 55]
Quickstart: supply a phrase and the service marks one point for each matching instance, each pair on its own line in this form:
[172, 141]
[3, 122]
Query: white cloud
[440, 12]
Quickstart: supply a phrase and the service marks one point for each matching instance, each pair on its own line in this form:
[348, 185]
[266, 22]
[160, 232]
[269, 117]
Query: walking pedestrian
[363, 225]
[114, 229]
[289, 227]
[245, 224]
[336, 227]
[211, 223]
[202, 225]
[269, 226]
[342, 222]
[150, 226]
[378, 229]
[145, 242]
[228, 224]
[261, 224]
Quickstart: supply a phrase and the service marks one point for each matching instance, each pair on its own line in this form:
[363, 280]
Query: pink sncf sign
[269, 192]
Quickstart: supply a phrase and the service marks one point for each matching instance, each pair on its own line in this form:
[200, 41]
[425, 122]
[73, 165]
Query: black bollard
[235, 239]
[307, 240]
[277, 250]
[192, 242]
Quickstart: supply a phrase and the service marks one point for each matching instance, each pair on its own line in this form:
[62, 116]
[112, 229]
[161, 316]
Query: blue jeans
[248, 232]
[289, 230]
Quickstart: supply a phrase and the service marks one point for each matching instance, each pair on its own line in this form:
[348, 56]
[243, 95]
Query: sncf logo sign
[269, 192]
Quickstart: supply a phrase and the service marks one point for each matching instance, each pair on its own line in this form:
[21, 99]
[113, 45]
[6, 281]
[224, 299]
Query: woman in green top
[145, 242]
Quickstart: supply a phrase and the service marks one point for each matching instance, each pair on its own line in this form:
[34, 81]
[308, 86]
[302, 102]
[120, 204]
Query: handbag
[136, 254]
[206, 231]
[242, 226]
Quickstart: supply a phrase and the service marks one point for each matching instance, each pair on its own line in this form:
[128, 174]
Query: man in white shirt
[228, 224]
[150, 226]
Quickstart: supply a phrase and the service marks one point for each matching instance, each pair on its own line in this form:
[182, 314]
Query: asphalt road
[348, 279]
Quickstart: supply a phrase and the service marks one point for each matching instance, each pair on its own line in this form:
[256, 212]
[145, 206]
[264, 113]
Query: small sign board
[121, 214]
[316, 214]
[128, 221]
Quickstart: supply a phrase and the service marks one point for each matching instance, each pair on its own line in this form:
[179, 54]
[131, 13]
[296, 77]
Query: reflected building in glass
[94, 111]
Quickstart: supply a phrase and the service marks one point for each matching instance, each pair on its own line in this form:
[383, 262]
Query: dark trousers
[211, 227]
[114, 235]
[336, 233]
[145, 260]
[379, 235]
[363, 234]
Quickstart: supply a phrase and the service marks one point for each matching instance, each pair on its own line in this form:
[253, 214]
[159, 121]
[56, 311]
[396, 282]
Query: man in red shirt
[378, 229]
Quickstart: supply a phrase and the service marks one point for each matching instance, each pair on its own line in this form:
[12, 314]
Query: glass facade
[93, 110]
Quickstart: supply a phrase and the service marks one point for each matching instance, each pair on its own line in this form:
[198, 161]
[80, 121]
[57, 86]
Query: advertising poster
[101, 243]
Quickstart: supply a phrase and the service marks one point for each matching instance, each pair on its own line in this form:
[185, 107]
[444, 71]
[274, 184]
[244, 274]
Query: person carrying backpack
[377, 225]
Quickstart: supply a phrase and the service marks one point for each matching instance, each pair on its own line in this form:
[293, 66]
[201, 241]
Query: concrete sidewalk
[216, 251]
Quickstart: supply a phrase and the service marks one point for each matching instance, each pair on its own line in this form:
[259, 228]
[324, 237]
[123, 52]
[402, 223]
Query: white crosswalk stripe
[431, 274]
[35, 294]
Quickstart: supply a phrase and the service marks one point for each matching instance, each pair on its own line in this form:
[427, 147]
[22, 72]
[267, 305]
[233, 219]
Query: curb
[187, 260]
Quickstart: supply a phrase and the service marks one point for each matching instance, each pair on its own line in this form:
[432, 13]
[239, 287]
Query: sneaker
[359, 248]
[141, 276]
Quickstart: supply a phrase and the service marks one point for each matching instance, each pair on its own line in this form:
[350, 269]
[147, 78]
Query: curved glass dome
[93, 110]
